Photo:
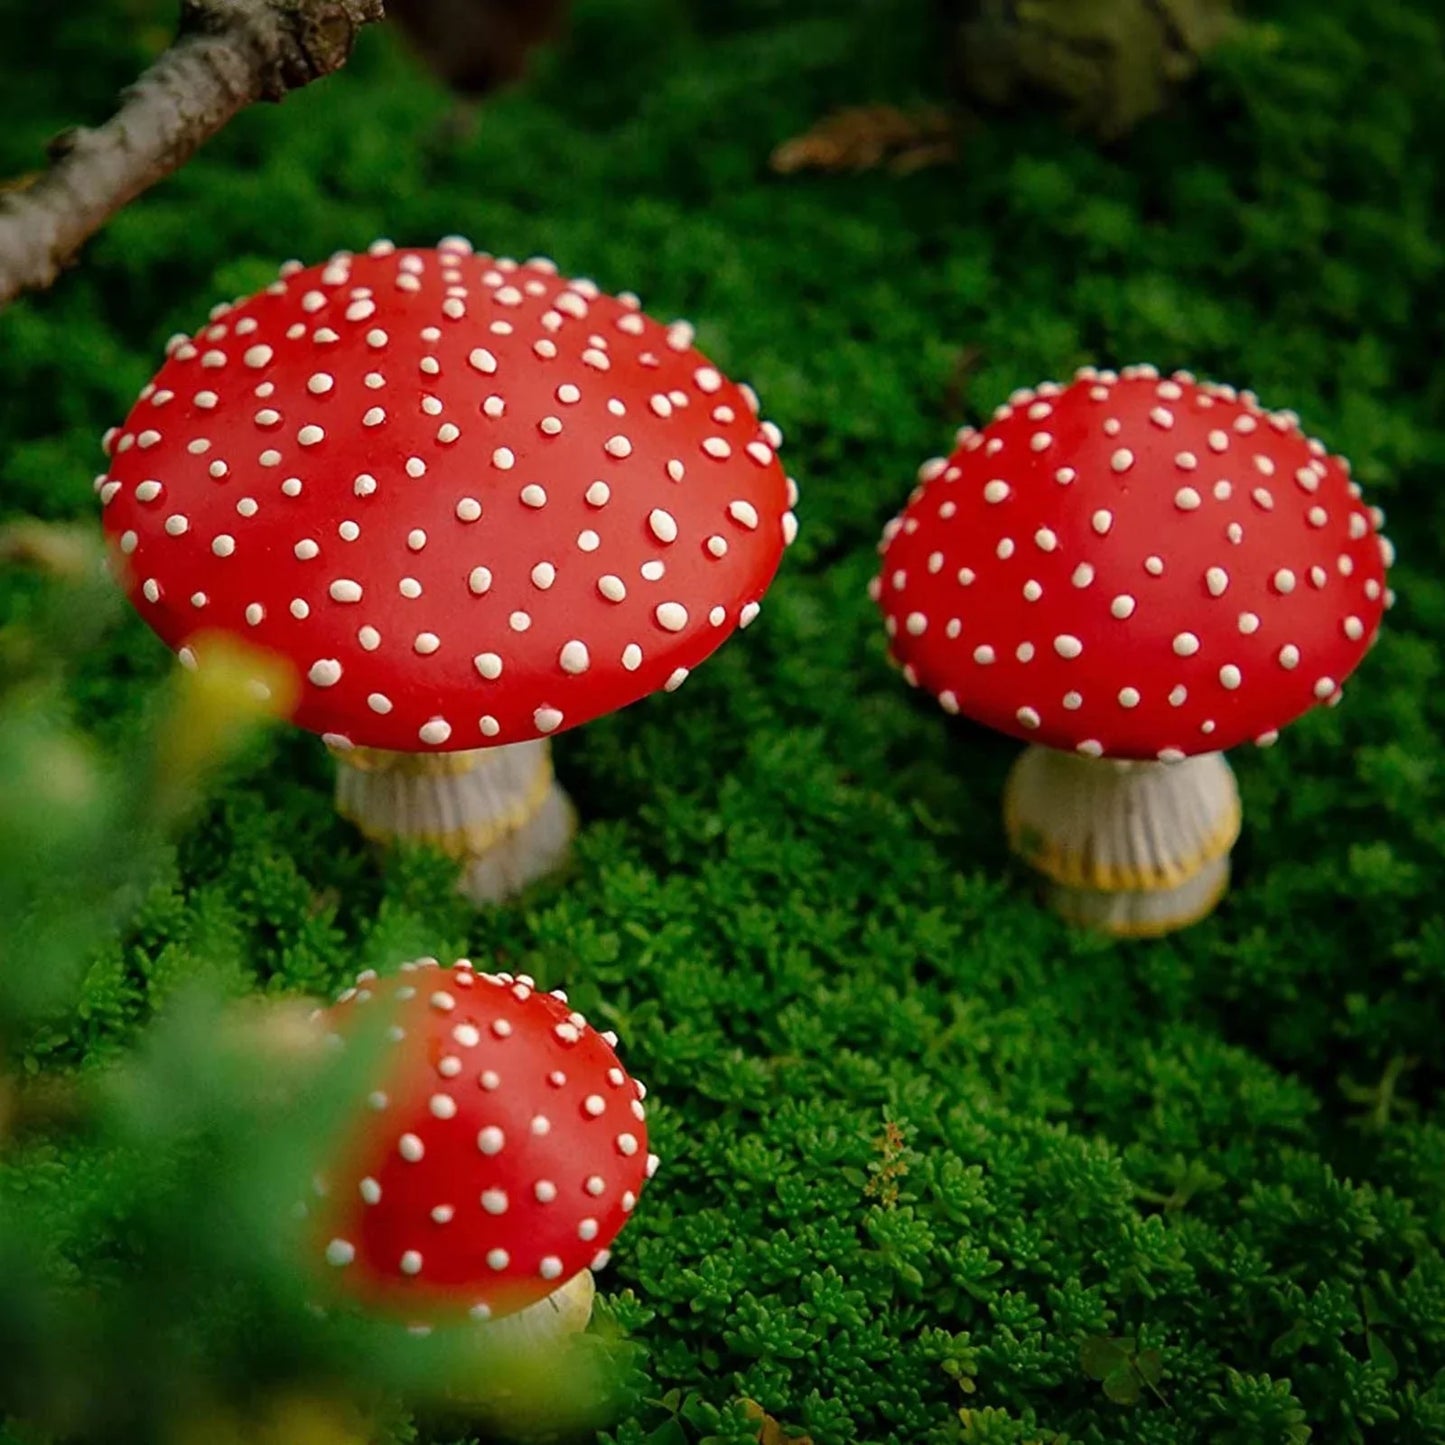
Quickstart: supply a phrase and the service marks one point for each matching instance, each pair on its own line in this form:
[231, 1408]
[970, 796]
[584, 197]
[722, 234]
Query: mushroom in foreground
[474, 504]
[1132, 574]
[494, 1162]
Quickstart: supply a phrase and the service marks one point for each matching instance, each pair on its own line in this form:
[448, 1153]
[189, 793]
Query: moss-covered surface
[924, 1149]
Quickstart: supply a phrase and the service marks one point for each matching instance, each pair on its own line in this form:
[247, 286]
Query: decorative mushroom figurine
[497, 1157]
[473, 503]
[1132, 574]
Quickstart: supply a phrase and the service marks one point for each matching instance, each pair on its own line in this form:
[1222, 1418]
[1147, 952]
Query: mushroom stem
[1135, 849]
[499, 810]
[566, 1311]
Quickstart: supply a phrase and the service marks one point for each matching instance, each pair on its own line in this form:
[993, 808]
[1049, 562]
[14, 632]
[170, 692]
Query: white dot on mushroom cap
[1123, 606]
[1324, 687]
[491, 1139]
[410, 1148]
[543, 575]
[996, 491]
[1284, 581]
[632, 657]
[547, 719]
[671, 615]
[611, 587]
[1102, 521]
[574, 657]
[494, 1201]
[1068, 646]
[1186, 644]
[436, 730]
[467, 1035]
[743, 513]
[1230, 676]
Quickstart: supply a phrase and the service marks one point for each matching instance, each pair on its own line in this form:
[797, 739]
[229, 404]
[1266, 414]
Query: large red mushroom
[1132, 574]
[473, 503]
[493, 1160]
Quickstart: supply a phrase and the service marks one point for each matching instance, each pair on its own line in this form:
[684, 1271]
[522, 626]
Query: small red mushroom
[1132, 573]
[473, 503]
[497, 1156]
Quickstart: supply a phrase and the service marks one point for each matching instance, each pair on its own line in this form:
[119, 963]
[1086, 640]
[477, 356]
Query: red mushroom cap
[1134, 567]
[471, 501]
[499, 1155]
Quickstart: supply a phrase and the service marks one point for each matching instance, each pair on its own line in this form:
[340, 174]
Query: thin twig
[227, 54]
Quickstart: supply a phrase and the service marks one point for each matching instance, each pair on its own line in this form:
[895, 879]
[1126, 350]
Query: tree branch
[227, 54]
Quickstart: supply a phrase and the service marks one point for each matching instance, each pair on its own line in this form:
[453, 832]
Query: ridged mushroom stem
[500, 810]
[1135, 849]
[566, 1311]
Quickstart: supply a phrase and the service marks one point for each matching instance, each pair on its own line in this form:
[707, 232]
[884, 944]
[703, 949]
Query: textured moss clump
[935, 1169]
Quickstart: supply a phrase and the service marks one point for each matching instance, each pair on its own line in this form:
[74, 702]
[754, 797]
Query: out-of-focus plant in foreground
[166, 1298]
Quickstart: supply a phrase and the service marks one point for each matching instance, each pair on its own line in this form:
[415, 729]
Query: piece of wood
[227, 55]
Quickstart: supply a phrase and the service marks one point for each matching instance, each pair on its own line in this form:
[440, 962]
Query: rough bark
[227, 54]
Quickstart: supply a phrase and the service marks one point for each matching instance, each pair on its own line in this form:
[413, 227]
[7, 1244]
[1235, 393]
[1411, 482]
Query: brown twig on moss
[227, 55]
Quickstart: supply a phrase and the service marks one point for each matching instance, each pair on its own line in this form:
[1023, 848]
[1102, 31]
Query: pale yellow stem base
[499, 810]
[1135, 849]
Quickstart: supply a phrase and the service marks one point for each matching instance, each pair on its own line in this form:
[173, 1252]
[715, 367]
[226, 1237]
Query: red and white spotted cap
[471, 501]
[1134, 567]
[501, 1151]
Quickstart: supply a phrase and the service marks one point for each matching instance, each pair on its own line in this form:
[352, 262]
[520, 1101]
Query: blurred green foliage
[921, 1145]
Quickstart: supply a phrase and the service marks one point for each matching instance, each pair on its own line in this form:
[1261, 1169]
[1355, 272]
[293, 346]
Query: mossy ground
[920, 1142]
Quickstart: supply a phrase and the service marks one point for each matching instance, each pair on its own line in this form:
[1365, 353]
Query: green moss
[791, 897]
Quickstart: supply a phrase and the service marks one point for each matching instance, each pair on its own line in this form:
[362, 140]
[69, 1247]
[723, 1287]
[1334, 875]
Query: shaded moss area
[934, 1169]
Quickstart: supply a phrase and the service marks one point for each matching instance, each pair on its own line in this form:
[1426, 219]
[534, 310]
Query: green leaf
[1382, 1357]
[1123, 1385]
[1150, 1365]
[1100, 1356]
